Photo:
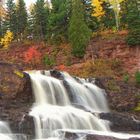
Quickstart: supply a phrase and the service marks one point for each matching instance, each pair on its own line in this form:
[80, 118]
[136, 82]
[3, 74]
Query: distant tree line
[70, 21]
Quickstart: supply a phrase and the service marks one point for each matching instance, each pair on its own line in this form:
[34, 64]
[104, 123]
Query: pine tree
[11, 16]
[90, 20]
[108, 19]
[31, 23]
[123, 13]
[133, 21]
[2, 13]
[21, 18]
[41, 19]
[59, 20]
[79, 33]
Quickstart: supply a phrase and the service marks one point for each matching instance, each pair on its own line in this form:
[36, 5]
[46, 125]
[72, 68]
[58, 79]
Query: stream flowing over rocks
[17, 100]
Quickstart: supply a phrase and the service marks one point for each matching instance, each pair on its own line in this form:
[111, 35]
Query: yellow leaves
[18, 73]
[7, 39]
[98, 9]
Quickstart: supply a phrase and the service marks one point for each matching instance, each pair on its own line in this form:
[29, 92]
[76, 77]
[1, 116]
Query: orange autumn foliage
[32, 55]
[61, 68]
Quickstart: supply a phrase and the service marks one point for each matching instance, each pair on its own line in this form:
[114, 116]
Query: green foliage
[123, 13]
[40, 15]
[126, 78]
[50, 61]
[108, 19]
[79, 33]
[21, 18]
[58, 21]
[137, 77]
[133, 37]
[133, 21]
[11, 16]
[90, 20]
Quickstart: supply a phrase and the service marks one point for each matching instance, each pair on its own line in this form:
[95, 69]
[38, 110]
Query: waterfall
[6, 133]
[66, 103]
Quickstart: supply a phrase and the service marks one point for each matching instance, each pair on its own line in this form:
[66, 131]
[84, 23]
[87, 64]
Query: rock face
[12, 80]
[121, 122]
[15, 94]
[81, 135]
[122, 97]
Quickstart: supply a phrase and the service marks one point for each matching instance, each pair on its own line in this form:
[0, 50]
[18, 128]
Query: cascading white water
[4, 130]
[6, 134]
[54, 108]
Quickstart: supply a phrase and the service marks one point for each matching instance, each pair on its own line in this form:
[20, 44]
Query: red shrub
[61, 67]
[32, 55]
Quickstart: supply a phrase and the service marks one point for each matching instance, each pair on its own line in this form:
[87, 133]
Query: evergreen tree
[31, 29]
[79, 33]
[133, 21]
[108, 19]
[91, 21]
[2, 13]
[21, 18]
[41, 19]
[123, 13]
[11, 16]
[59, 19]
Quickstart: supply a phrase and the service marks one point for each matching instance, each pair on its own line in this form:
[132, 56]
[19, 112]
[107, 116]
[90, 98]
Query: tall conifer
[133, 21]
[21, 18]
[79, 33]
[11, 16]
[41, 19]
[59, 19]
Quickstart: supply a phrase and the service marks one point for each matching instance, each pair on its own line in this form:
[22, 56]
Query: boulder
[122, 96]
[12, 80]
[71, 135]
[121, 121]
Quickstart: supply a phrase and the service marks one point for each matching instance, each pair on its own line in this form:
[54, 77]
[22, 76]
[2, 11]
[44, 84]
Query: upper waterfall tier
[69, 91]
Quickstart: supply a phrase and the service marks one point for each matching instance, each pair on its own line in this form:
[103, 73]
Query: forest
[74, 23]
[57, 22]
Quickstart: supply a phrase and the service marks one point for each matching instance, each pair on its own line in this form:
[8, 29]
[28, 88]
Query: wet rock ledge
[16, 96]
